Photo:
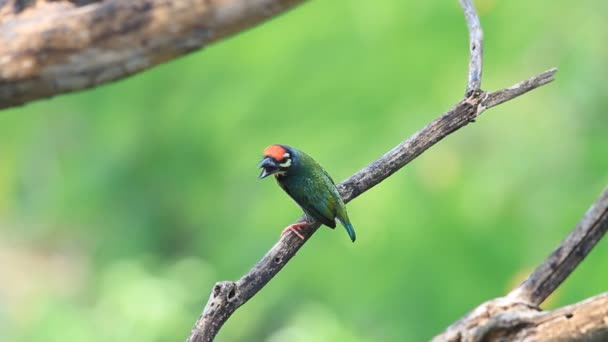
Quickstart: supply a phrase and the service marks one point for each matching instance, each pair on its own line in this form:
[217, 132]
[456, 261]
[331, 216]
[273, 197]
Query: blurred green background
[121, 206]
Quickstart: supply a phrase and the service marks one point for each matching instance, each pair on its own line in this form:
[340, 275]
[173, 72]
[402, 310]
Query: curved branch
[50, 48]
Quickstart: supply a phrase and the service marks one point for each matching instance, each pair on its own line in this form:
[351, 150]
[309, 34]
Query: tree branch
[517, 315]
[459, 116]
[584, 321]
[475, 46]
[504, 320]
[55, 47]
[227, 296]
[565, 258]
[501, 96]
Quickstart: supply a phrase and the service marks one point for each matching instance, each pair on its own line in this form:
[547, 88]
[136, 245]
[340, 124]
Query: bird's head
[277, 160]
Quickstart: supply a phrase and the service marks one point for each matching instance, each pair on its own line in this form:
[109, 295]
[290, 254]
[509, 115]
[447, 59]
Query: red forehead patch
[276, 152]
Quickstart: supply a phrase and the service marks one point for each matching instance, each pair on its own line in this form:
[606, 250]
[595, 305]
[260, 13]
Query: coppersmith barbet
[304, 180]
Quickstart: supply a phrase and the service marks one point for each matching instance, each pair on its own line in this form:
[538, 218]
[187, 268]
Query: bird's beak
[269, 166]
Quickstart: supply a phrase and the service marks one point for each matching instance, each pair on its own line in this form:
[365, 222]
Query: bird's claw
[295, 228]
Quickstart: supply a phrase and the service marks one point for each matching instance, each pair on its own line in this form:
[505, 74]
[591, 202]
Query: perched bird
[308, 184]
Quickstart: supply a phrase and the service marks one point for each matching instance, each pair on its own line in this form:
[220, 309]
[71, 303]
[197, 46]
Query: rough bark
[502, 319]
[54, 47]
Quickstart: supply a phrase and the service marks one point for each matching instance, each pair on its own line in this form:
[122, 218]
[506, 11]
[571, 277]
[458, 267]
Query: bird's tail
[350, 230]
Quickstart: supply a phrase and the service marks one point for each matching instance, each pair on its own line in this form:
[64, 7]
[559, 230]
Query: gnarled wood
[585, 321]
[503, 319]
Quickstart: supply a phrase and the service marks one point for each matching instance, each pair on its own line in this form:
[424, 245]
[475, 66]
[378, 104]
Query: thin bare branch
[227, 296]
[475, 46]
[501, 96]
[565, 258]
[53, 47]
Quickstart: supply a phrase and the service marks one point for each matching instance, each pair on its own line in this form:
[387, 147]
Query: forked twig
[227, 296]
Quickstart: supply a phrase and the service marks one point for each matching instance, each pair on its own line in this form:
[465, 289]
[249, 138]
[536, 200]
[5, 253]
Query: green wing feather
[319, 204]
[339, 208]
[322, 206]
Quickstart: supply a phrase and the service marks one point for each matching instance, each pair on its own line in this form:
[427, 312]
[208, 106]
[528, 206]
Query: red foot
[295, 228]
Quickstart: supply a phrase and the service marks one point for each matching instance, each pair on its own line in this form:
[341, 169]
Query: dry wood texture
[53, 47]
[503, 319]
